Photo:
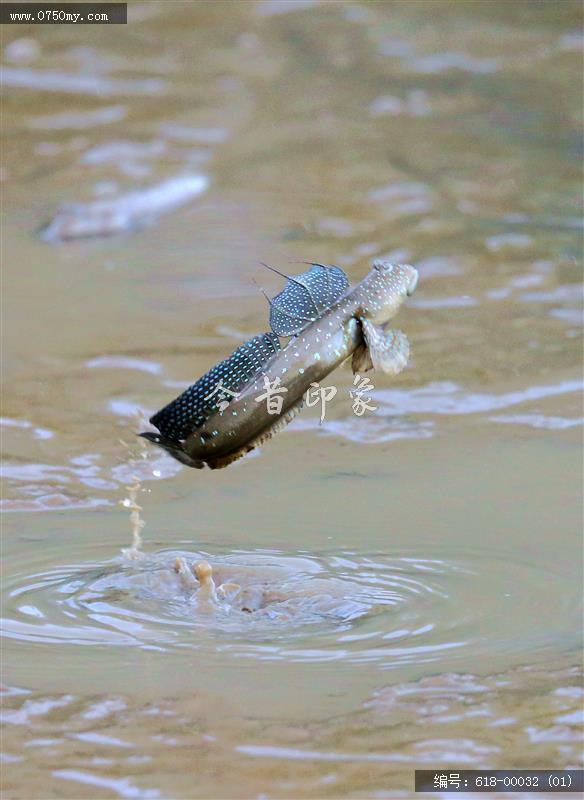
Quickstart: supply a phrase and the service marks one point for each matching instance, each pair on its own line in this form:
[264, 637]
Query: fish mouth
[412, 283]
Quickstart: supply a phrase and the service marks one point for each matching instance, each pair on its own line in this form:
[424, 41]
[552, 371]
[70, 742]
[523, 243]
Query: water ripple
[350, 608]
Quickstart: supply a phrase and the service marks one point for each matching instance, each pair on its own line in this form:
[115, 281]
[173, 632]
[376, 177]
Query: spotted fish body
[317, 350]
[176, 420]
[309, 293]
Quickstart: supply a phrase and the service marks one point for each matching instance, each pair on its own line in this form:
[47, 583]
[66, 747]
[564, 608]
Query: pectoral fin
[388, 350]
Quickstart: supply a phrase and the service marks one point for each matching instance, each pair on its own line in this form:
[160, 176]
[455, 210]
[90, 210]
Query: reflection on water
[422, 562]
[124, 213]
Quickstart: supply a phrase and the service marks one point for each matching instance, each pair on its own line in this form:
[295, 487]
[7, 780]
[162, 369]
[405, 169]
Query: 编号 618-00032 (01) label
[500, 780]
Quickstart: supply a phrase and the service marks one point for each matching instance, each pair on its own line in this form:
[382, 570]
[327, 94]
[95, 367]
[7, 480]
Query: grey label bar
[63, 14]
[499, 780]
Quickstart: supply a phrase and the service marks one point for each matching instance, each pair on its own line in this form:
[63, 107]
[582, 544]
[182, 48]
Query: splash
[134, 552]
[137, 523]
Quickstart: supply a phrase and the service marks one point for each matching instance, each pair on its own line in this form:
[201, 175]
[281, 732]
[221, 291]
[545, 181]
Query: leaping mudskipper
[328, 322]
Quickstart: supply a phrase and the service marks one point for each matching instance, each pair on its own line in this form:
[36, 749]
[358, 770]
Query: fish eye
[383, 266]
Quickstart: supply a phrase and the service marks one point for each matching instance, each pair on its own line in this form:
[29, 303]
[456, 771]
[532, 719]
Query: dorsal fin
[305, 298]
[197, 403]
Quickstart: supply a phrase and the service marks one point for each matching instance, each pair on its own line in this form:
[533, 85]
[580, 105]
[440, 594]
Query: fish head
[385, 289]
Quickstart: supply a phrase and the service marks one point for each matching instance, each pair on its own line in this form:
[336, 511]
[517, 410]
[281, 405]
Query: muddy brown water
[427, 555]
